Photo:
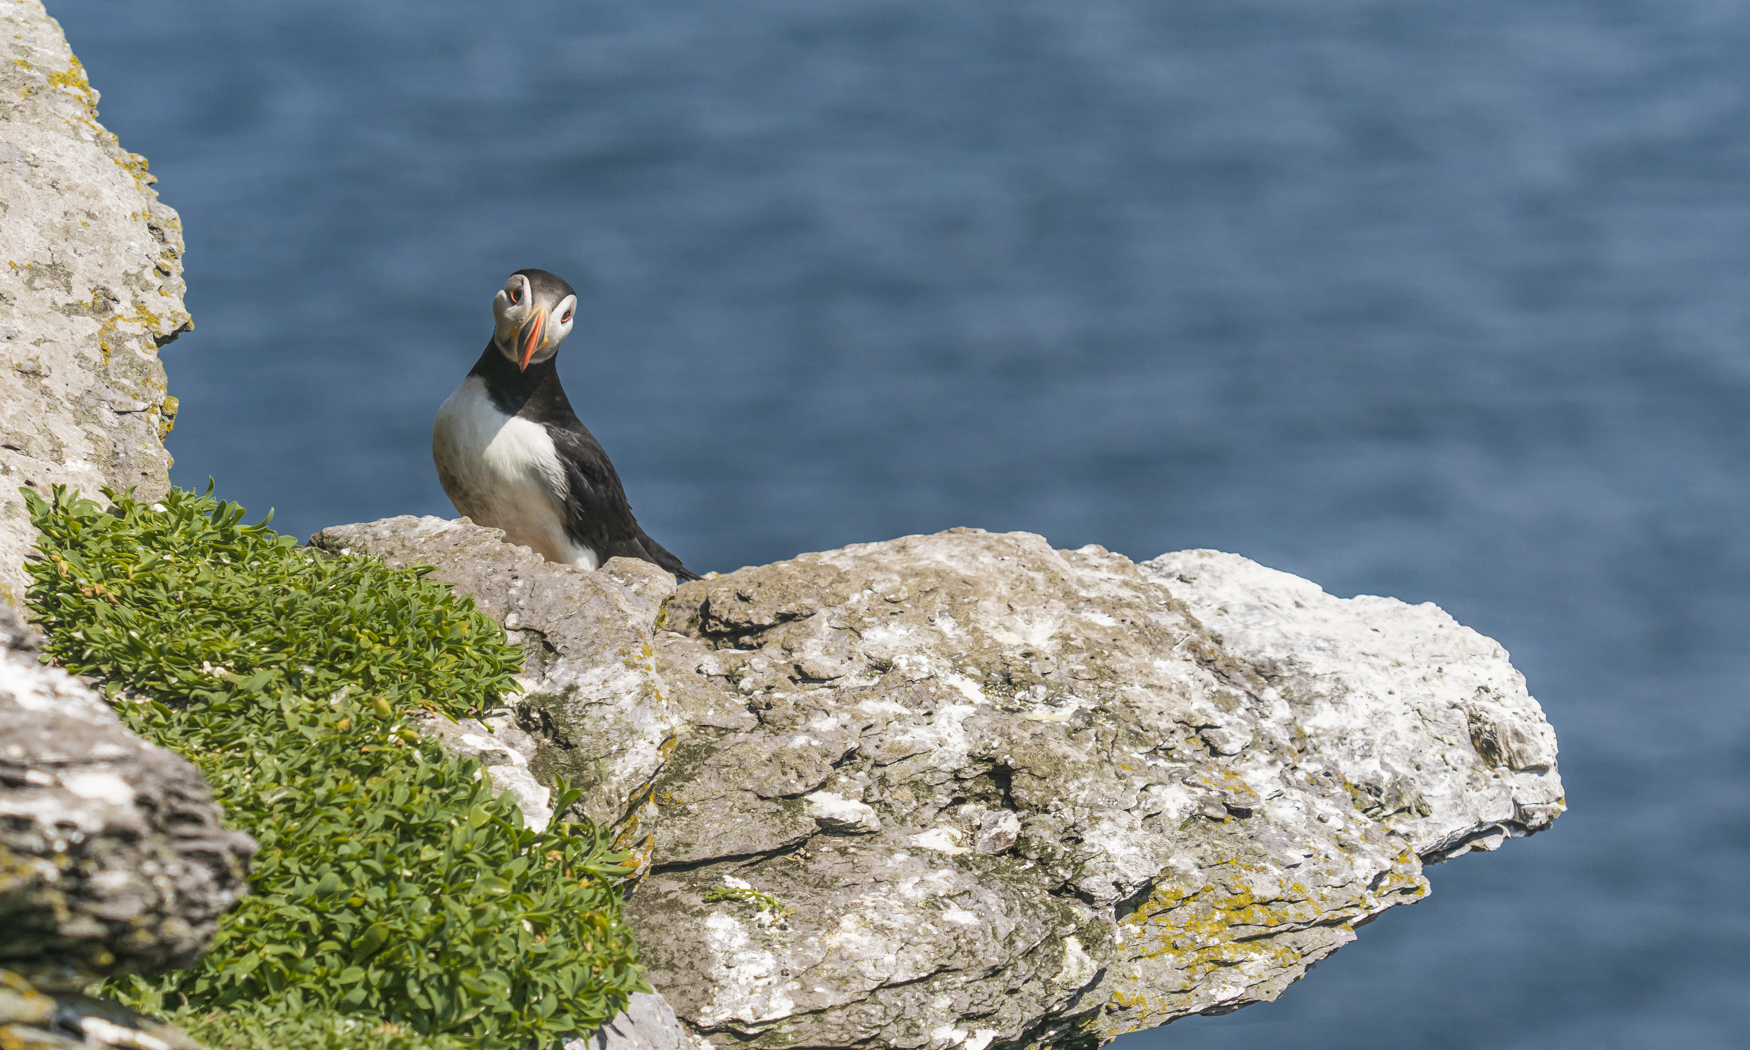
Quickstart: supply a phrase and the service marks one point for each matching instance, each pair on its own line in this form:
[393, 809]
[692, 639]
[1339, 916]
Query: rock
[1465, 758]
[844, 816]
[90, 288]
[963, 789]
[32, 1020]
[504, 751]
[647, 1023]
[113, 856]
[997, 831]
[591, 693]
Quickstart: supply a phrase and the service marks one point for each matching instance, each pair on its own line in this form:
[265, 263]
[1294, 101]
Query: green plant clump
[395, 897]
[762, 901]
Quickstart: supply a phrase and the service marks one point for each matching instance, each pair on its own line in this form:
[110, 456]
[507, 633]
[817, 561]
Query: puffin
[512, 454]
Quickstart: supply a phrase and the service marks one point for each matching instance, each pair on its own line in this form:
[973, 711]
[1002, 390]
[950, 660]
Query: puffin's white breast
[504, 472]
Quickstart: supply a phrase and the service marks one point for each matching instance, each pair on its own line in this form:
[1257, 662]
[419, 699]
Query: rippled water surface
[1443, 301]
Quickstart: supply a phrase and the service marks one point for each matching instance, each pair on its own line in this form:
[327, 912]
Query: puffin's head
[532, 315]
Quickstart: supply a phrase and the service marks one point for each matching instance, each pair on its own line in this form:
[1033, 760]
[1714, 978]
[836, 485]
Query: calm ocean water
[1442, 301]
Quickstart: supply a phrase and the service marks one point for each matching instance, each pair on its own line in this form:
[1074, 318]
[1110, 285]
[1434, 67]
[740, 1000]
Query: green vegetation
[257, 1027]
[397, 903]
[762, 901]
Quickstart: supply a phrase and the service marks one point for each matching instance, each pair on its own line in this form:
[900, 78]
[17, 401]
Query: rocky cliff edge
[967, 791]
[90, 288]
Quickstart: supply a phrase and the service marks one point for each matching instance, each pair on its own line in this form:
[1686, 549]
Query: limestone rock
[113, 857]
[1455, 755]
[647, 1023]
[964, 790]
[591, 691]
[31, 1019]
[90, 288]
[503, 750]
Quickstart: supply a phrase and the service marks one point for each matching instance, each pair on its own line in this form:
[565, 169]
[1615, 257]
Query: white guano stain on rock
[837, 813]
[104, 787]
[1078, 968]
[941, 840]
[747, 976]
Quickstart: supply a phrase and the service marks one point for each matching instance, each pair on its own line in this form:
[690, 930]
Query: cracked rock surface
[90, 288]
[964, 790]
[113, 854]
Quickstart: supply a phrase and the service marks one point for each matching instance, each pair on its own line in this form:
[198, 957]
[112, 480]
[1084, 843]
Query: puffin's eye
[567, 318]
[515, 293]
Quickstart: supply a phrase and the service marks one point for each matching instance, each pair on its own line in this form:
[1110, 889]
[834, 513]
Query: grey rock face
[964, 790]
[31, 1019]
[90, 288]
[1456, 757]
[113, 858]
[647, 1023]
[591, 692]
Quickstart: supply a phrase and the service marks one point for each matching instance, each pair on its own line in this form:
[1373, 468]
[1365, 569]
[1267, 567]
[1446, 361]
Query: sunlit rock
[965, 790]
[113, 854]
[90, 288]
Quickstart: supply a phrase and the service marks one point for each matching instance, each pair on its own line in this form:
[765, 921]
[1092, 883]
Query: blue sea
[1443, 301]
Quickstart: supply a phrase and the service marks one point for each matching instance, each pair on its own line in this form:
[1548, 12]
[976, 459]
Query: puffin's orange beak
[533, 340]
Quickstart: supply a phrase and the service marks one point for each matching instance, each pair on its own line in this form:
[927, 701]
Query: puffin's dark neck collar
[510, 388]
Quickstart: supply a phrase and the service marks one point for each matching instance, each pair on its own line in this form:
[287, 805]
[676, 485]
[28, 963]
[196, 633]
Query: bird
[512, 454]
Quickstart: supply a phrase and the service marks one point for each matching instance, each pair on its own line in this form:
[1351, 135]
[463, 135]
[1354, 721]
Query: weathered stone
[504, 751]
[113, 858]
[647, 1023]
[90, 288]
[591, 692]
[33, 1020]
[966, 790]
[1426, 720]
[22, 1004]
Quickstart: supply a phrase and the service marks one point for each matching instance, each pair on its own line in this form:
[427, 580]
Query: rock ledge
[964, 790]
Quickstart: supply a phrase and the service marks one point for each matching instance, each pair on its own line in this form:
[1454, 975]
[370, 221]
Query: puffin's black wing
[597, 514]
